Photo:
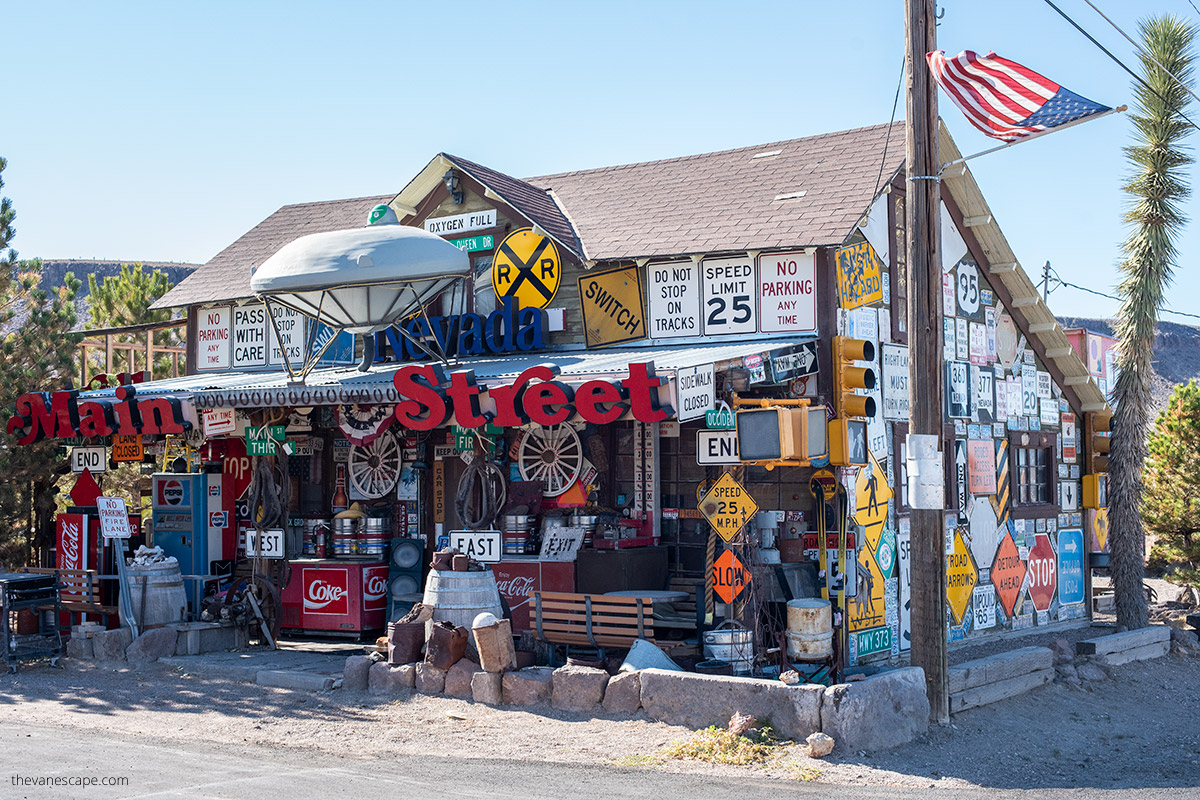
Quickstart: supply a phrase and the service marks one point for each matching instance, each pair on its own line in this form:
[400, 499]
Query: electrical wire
[1142, 51]
[1120, 63]
[891, 122]
[1060, 282]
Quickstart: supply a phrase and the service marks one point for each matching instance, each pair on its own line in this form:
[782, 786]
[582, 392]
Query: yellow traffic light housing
[848, 378]
[779, 432]
[1097, 439]
[848, 442]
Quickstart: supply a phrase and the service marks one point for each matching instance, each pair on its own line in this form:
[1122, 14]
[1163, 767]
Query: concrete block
[1127, 640]
[527, 687]
[295, 679]
[429, 679]
[111, 645]
[1143, 653]
[999, 667]
[79, 648]
[697, 701]
[458, 679]
[487, 687]
[151, 646]
[195, 638]
[385, 678]
[354, 674]
[578, 688]
[623, 695]
[1000, 690]
[883, 711]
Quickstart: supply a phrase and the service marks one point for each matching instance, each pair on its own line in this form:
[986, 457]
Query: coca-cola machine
[519, 577]
[335, 596]
[79, 545]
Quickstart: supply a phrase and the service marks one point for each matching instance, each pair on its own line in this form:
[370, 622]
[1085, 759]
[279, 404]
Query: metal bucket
[459, 597]
[810, 629]
[157, 594]
[731, 642]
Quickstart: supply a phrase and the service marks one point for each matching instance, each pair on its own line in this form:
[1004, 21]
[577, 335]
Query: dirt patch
[1136, 729]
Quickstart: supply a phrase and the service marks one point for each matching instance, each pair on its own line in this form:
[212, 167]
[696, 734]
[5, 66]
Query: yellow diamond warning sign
[961, 577]
[728, 507]
[612, 307]
[527, 268]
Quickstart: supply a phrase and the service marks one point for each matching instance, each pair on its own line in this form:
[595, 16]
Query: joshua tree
[1156, 188]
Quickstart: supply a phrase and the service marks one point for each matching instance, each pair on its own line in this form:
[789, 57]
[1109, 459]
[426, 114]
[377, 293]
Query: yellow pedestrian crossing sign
[728, 507]
[527, 268]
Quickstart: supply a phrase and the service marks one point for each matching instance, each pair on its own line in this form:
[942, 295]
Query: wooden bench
[594, 620]
[77, 590]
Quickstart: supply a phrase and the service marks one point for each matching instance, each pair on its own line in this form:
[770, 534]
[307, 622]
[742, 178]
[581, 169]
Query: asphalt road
[192, 769]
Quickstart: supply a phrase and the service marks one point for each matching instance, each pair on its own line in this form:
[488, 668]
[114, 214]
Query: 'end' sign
[93, 459]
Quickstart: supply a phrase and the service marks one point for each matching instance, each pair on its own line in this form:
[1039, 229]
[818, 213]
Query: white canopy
[363, 279]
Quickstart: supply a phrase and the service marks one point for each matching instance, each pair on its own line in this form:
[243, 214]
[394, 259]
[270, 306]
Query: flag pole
[1031, 136]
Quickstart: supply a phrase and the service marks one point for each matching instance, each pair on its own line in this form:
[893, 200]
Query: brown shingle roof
[226, 276]
[531, 201]
[723, 201]
[708, 203]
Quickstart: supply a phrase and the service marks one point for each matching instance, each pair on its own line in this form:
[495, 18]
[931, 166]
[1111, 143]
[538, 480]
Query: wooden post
[922, 190]
[150, 353]
[108, 353]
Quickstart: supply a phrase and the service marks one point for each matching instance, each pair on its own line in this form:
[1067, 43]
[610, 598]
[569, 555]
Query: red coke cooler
[335, 596]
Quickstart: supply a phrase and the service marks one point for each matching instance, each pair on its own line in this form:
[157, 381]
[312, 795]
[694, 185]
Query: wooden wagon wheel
[374, 468]
[552, 456]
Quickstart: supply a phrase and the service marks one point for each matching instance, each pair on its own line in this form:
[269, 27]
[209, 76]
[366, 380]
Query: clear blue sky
[164, 131]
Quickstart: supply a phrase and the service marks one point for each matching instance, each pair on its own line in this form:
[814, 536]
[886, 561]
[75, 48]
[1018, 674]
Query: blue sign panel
[1070, 566]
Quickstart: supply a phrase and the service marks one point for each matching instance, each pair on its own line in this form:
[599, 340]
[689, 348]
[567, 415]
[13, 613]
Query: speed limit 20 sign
[728, 295]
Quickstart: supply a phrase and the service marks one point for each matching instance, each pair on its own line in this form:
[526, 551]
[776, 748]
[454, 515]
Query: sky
[164, 131]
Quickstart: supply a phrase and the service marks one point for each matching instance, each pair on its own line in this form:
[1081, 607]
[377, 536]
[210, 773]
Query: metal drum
[372, 536]
[515, 533]
[345, 537]
[588, 522]
[731, 642]
[810, 629]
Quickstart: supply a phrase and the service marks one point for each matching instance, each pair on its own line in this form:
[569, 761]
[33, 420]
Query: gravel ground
[1136, 729]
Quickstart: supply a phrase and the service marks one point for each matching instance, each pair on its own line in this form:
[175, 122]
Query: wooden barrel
[459, 597]
[810, 629]
[157, 594]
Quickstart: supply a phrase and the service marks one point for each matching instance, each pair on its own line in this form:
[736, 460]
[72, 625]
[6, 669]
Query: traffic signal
[848, 442]
[1096, 427]
[1097, 438]
[848, 377]
[781, 434]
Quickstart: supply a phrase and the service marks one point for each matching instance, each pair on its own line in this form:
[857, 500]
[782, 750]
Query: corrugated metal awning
[345, 385]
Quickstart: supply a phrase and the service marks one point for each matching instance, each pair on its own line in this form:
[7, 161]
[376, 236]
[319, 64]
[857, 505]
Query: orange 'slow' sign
[729, 577]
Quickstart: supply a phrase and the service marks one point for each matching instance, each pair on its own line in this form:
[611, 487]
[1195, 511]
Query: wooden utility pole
[922, 215]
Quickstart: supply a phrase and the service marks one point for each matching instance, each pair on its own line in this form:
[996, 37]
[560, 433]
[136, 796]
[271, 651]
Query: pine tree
[36, 354]
[125, 299]
[1171, 500]
[1156, 189]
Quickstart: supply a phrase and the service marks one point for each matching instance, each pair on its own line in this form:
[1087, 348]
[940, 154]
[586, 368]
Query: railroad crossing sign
[527, 268]
[961, 577]
[730, 577]
[728, 507]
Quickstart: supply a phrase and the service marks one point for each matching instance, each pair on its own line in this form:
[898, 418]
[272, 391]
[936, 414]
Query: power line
[891, 122]
[1055, 277]
[1120, 63]
[1142, 51]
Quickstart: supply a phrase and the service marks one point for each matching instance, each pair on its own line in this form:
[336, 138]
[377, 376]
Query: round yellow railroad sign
[527, 268]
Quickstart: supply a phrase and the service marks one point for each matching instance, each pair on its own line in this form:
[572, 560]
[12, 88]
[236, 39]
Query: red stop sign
[1043, 573]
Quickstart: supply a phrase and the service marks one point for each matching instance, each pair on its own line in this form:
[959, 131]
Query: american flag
[1004, 99]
